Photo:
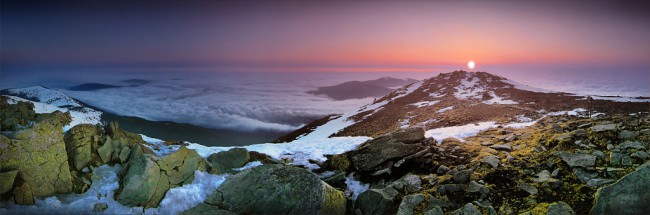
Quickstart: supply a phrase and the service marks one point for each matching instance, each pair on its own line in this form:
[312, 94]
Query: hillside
[362, 89]
[463, 98]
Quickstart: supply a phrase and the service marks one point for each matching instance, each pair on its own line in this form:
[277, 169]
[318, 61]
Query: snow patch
[469, 88]
[445, 109]
[458, 132]
[498, 100]
[354, 187]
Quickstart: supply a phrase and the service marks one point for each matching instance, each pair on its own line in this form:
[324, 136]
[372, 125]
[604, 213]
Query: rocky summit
[457, 143]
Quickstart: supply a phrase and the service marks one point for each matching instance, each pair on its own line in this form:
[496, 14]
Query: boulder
[78, 142]
[491, 160]
[39, 155]
[462, 177]
[7, 181]
[277, 189]
[559, 208]
[378, 201]
[504, 147]
[147, 178]
[376, 151]
[629, 195]
[435, 210]
[468, 209]
[408, 135]
[475, 187]
[408, 183]
[409, 203]
[633, 145]
[233, 158]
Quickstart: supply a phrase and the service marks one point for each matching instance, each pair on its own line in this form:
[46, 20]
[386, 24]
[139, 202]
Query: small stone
[492, 160]
[586, 125]
[409, 182]
[85, 170]
[640, 155]
[511, 138]
[577, 159]
[626, 161]
[487, 143]
[557, 129]
[597, 182]
[555, 173]
[559, 208]
[462, 177]
[450, 188]
[435, 210]
[442, 169]
[633, 145]
[625, 134]
[124, 154]
[615, 158]
[580, 133]
[603, 128]
[409, 203]
[474, 187]
[543, 176]
[584, 175]
[99, 207]
[504, 147]
[599, 154]
[509, 158]
[468, 209]
[530, 189]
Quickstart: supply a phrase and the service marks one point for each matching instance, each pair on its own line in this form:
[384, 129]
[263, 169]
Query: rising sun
[470, 64]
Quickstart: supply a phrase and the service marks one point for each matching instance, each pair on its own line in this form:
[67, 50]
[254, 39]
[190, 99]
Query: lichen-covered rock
[409, 203]
[468, 209]
[39, 155]
[14, 115]
[23, 194]
[233, 158]
[148, 178]
[7, 180]
[78, 142]
[408, 183]
[278, 189]
[629, 195]
[577, 159]
[374, 152]
[378, 201]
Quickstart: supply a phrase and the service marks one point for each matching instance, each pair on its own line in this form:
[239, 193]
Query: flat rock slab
[578, 159]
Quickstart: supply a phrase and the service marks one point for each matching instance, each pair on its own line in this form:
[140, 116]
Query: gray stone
[626, 161]
[450, 188]
[625, 134]
[124, 154]
[278, 189]
[99, 207]
[597, 182]
[376, 151]
[633, 145]
[462, 177]
[629, 195]
[504, 147]
[615, 158]
[509, 158]
[233, 158]
[578, 160]
[640, 155]
[409, 183]
[584, 175]
[599, 154]
[409, 203]
[530, 189]
[580, 133]
[557, 129]
[491, 160]
[555, 172]
[468, 209]
[442, 169]
[409, 135]
[511, 138]
[378, 201]
[543, 176]
[603, 128]
[435, 210]
[474, 187]
[559, 208]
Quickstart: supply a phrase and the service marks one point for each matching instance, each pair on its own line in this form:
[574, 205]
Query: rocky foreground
[563, 164]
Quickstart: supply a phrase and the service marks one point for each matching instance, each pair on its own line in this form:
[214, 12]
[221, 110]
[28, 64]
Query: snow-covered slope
[47, 100]
[456, 99]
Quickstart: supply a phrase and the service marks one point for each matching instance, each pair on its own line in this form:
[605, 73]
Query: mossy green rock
[15, 115]
[7, 181]
[39, 155]
[627, 196]
[140, 181]
[148, 177]
[79, 141]
[278, 189]
[233, 158]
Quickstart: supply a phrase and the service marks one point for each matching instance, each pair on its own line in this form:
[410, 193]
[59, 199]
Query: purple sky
[323, 35]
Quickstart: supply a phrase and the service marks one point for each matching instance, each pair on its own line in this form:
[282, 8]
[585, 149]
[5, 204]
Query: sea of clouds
[275, 101]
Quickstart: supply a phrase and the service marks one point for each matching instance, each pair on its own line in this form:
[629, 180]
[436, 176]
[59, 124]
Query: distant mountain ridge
[362, 89]
[460, 98]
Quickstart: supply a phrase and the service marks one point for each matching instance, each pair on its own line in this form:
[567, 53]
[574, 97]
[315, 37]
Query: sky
[322, 35]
